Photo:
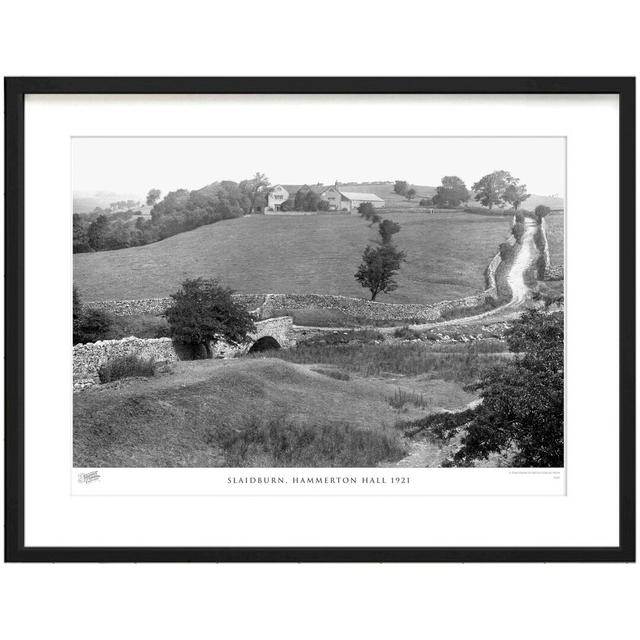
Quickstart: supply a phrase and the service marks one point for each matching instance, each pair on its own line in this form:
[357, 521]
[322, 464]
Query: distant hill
[87, 201]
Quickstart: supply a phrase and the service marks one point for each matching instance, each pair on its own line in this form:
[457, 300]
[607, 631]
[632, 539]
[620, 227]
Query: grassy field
[242, 412]
[447, 254]
[331, 406]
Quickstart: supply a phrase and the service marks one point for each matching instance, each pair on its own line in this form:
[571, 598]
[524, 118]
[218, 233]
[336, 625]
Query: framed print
[320, 319]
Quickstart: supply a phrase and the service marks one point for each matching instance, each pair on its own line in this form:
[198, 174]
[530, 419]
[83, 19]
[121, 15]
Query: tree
[387, 229]
[153, 196]
[490, 188]
[522, 410]
[410, 194]
[378, 268]
[452, 192]
[541, 212]
[426, 202]
[97, 232]
[368, 212]
[515, 194]
[306, 200]
[203, 312]
[89, 325]
[253, 187]
[401, 187]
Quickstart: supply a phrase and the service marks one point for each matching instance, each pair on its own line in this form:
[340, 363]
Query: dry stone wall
[272, 304]
[88, 358]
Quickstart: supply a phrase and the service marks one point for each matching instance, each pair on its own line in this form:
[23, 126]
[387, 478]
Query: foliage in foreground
[203, 312]
[278, 441]
[522, 408]
[129, 366]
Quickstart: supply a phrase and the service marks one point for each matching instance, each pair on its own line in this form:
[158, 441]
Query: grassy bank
[242, 412]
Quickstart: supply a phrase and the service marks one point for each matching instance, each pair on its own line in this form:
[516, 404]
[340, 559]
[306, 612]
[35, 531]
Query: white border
[587, 516]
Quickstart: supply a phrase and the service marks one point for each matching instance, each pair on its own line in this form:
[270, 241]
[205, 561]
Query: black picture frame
[15, 91]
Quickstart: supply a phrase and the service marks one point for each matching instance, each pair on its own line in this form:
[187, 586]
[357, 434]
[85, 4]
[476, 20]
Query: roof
[354, 195]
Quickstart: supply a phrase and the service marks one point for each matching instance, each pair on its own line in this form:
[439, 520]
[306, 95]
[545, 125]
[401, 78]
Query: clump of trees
[500, 188]
[451, 193]
[204, 312]
[379, 266]
[402, 188]
[89, 324]
[368, 212]
[178, 211]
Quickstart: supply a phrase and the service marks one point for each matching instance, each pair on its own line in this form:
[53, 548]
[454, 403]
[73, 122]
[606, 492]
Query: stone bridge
[274, 333]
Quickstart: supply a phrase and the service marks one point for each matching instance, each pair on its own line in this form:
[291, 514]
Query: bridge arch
[265, 343]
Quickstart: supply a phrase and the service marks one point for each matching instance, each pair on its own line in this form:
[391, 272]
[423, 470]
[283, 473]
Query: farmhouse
[276, 196]
[337, 200]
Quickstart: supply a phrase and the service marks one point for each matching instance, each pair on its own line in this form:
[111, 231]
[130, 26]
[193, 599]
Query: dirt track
[526, 254]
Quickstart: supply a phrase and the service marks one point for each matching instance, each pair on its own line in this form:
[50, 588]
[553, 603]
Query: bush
[426, 202]
[129, 366]
[91, 325]
[518, 230]
[406, 333]
[401, 397]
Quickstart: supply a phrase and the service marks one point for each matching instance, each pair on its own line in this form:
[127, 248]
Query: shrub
[89, 325]
[401, 397]
[518, 230]
[426, 202]
[406, 333]
[129, 366]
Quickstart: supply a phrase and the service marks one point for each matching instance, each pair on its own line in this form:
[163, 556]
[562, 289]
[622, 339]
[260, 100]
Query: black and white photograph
[318, 302]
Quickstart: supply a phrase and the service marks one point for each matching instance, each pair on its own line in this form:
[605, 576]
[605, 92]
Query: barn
[351, 200]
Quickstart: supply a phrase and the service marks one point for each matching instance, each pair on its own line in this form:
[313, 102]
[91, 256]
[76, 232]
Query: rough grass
[280, 442]
[465, 312]
[400, 398]
[336, 374]
[129, 366]
[173, 420]
[447, 254]
[406, 358]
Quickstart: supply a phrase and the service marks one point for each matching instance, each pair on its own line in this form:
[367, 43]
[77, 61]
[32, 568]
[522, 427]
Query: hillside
[192, 417]
[447, 254]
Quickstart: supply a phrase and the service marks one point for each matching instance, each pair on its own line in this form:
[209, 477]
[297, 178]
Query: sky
[132, 166]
